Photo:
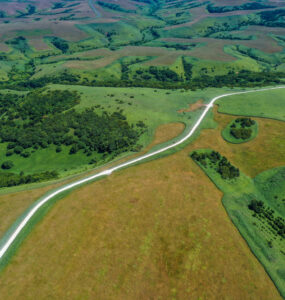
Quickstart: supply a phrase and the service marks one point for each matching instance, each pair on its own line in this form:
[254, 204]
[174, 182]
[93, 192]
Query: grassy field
[15, 200]
[153, 107]
[159, 234]
[268, 104]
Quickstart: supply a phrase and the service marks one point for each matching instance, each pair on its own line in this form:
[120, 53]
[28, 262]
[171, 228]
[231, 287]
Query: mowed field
[153, 231]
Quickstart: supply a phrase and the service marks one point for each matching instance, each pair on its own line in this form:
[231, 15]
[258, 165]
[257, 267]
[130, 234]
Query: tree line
[217, 162]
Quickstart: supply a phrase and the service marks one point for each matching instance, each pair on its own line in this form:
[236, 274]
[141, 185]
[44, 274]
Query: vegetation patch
[45, 119]
[240, 130]
[257, 215]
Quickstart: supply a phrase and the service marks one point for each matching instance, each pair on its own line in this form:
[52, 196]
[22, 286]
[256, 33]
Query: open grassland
[14, 201]
[154, 230]
[268, 104]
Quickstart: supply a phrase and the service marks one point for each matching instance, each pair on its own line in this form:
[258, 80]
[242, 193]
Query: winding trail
[7, 241]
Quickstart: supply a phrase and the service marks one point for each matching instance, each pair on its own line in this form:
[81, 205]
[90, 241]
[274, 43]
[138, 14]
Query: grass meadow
[268, 104]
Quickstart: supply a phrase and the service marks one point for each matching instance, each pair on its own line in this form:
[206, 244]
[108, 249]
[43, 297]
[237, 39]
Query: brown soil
[192, 107]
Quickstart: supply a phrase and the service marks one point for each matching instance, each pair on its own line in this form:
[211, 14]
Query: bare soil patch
[193, 106]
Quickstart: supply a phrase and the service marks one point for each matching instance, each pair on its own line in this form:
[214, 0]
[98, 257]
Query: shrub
[7, 165]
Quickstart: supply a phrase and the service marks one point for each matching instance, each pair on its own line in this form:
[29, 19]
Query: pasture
[159, 230]
[268, 104]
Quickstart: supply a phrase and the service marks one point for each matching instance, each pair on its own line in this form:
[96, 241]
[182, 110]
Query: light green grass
[268, 104]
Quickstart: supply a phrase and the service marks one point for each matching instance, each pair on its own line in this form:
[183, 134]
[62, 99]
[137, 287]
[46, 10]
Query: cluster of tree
[19, 43]
[58, 5]
[30, 10]
[40, 103]
[218, 162]
[12, 179]
[244, 122]
[44, 118]
[62, 78]
[59, 44]
[272, 18]
[266, 213]
[9, 101]
[241, 133]
[240, 129]
[246, 6]
[187, 69]
[178, 46]
[229, 36]
[158, 74]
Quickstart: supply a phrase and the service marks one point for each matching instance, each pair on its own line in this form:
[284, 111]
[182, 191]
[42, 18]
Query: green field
[268, 104]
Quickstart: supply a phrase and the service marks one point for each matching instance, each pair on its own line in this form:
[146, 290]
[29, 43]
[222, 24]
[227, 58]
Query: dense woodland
[43, 118]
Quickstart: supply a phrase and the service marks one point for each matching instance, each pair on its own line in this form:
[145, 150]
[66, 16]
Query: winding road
[17, 228]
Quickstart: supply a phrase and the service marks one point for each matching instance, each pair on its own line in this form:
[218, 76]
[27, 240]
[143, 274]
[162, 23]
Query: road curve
[6, 242]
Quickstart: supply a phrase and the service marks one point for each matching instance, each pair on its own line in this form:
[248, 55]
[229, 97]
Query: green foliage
[217, 162]
[7, 165]
[263, 212]
[114, 6]
[19, 43]
[60, 44]
[44, 118]
[11, 179]
[40, 103]
[240, 130]
[256, 207]
[246, 6]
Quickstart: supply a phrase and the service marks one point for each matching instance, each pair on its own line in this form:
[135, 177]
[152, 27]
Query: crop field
[148, 238]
